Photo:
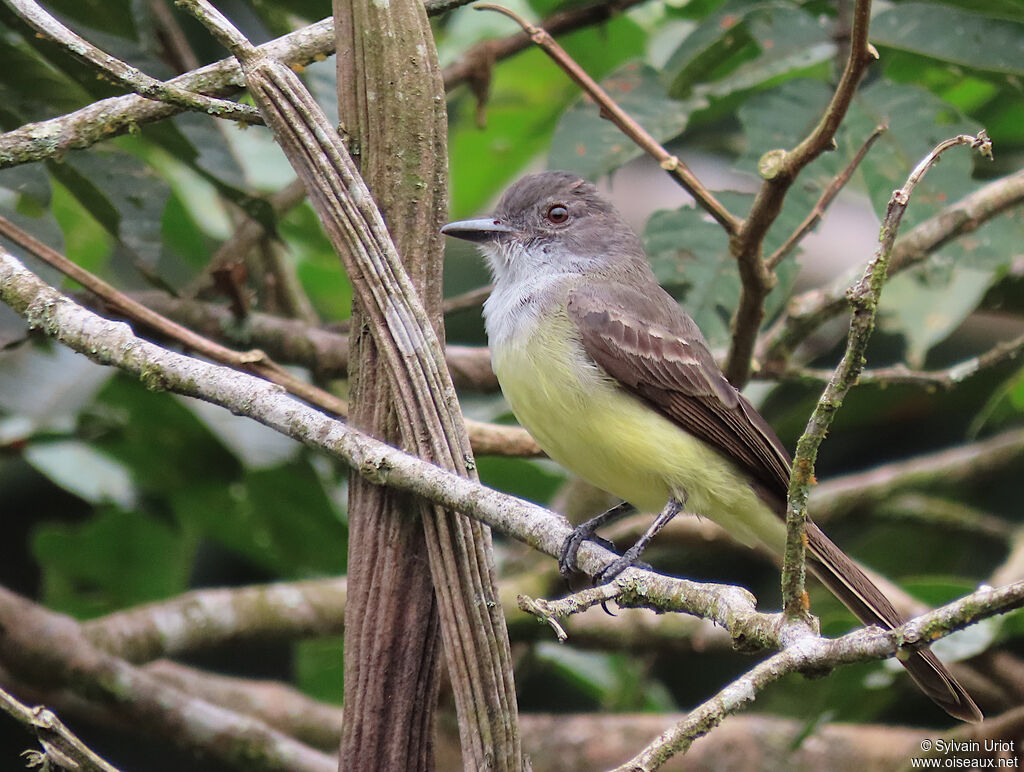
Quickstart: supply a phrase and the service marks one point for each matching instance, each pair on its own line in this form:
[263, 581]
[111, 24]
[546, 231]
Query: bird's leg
[588, 531]
[630, 556]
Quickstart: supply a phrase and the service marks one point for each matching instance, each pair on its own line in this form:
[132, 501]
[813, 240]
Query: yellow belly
[592, 427]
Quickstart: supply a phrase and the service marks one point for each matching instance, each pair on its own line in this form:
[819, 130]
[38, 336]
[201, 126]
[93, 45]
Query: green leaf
[535, 480]
[688, 252]
[114, 16]
[31, 90]
[281, 519]
[253, 444]
[319, 668]
[48, 384]
[83, 471]
[925, 309]
[1005, 406]
[167, 448]
[318, 266]
[961, 37]
[917, 121]
[124, 195]
[115, 560]
[739, 49]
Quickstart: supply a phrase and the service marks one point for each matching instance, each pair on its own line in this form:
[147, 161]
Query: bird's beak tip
[483, 229]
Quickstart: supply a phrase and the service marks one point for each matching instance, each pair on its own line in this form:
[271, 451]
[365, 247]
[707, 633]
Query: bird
[617, 384]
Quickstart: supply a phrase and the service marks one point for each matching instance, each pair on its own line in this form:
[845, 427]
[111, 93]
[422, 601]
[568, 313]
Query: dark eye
[557, 213]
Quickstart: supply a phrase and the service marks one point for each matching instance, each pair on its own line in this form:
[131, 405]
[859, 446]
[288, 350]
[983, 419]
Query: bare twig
[474, 65]
[61, 747]
[779, 169]
[822, 204]
[945, 378]
[864, 297]
[128, 76]
[810, 654]
[470, 299]
[609, 109]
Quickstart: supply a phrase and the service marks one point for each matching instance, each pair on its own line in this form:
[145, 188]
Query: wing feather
[655, 351]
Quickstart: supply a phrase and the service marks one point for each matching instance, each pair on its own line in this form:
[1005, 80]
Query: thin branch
[320, 349]
[474, 66]
[779, 169]
[254, 361]
[470, 299]
[864, 297]
[822, 204]
[61, 747]
[944, 379]
[129, 77]
[487, 439]
[809, 311]
[970, 464]
[812, 655]
[676, 169]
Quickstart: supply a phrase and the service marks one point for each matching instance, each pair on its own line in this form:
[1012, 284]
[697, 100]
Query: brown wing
[655, 351]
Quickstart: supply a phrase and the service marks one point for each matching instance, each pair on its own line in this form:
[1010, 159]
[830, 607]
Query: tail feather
[849, 583]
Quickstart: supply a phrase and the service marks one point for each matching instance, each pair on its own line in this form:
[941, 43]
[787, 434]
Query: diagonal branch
[864, 297]
[61, 747]
[676, 169]
[822, 204]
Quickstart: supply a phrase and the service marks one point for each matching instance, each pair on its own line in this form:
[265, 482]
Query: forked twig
[827, 196]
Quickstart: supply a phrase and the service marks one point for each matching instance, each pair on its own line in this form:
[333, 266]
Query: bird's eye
[557, 214]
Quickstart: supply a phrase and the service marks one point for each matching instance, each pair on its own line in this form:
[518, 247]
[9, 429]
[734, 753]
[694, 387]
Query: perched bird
[617, 384]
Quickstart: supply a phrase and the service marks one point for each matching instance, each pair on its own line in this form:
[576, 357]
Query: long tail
[848, 583]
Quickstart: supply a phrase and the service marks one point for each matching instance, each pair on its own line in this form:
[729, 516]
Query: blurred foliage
[160, 484]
